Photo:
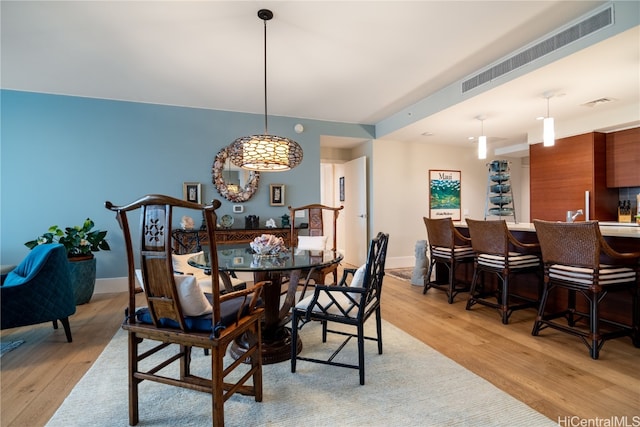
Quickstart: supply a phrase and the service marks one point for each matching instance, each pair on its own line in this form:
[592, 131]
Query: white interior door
[355, 211]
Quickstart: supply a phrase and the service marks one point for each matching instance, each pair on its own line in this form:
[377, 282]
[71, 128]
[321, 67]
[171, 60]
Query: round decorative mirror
[233, 183]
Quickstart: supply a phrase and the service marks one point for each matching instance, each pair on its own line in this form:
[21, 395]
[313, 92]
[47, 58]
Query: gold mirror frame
[217, 172]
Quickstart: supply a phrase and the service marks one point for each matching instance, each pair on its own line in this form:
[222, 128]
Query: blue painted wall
[62, 157]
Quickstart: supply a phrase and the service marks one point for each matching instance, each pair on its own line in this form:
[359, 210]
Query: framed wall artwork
[192, 192]
[444, 194]
[276, 194]
[341, 188]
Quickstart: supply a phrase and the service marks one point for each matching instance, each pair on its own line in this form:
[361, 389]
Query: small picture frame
[341, 188]
[192, 192]
[276, 194]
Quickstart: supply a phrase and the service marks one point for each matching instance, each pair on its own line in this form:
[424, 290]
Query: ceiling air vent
[597, 102]
[583, 28]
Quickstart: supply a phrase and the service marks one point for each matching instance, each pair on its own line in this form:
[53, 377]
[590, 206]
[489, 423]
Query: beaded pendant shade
[265, 152]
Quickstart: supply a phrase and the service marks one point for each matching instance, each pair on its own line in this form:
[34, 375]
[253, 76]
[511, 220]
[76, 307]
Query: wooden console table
[188, 241]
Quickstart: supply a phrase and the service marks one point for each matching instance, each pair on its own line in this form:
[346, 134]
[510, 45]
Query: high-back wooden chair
[578, 259]
[498, 252]
[447, 246]
[348, 304]
[320, 236]
[178, 312]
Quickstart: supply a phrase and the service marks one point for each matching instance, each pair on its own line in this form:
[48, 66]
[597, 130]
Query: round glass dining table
[276, 338]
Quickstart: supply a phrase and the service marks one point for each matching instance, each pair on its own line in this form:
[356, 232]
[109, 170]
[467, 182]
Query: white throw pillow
[190, 294]
[192, 299]
[181, 264]
[358, 281]
[312, 243]
[358, 276]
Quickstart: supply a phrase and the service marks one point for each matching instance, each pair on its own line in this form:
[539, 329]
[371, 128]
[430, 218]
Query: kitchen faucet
[572, 215]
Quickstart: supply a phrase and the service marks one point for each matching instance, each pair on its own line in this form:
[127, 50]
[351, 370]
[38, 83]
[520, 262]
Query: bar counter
[616, 306]
[608, 229]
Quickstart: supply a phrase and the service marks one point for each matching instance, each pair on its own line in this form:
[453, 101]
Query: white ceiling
[346, 61]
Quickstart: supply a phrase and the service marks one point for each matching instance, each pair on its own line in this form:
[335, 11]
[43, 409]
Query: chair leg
[256, 361]
[133, 382]
[427, 278]
[594, 325]
[543, 302]
[474, 283]
[185, 362]
[361, 352]
[294, 340]
[67, 328]
[217, 384]
[452, 269]
[504, 300]
[379, 329]
[571, 302]
[635, 316]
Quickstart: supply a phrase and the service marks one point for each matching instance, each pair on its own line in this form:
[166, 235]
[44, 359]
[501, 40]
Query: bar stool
[572, 254]
[443, 249]
[498, 252]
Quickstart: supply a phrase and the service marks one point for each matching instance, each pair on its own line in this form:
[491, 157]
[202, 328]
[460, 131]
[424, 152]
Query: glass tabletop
[243, 259]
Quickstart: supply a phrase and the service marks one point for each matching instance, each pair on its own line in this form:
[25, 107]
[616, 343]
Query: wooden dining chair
[578, 260]
[320, 236]
[448, 247]
[179, 316]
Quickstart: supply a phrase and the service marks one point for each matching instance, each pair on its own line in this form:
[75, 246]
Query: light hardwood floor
[552, 373]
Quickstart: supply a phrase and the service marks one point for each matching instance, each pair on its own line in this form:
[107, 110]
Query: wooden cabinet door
[561, 174]
[623, 158]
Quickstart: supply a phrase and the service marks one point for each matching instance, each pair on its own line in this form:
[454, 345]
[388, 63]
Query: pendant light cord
[548, 106]
[266, 132]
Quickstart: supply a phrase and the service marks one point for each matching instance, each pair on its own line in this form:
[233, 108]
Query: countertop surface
[612, 229]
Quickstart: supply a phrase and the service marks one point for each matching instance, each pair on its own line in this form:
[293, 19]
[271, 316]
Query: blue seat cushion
[228, 316]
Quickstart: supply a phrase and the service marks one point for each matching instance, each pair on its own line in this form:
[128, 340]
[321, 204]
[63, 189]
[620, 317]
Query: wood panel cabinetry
[623, 158]
[561, 174]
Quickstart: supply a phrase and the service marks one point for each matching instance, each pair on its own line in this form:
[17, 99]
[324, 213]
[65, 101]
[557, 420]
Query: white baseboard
[400, 262]
[119, 284]
[110, 285]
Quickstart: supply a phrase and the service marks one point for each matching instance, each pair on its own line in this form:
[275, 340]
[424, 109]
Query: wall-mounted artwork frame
[192, 192]
[341, 188]
[276, 194]
[445, 194]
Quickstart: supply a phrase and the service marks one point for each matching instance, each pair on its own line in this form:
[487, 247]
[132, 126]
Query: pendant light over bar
[265, 153]
[548, 128]
[482, 140]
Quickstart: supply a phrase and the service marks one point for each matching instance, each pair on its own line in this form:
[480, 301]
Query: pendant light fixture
[265, 153]
[548, 127]
[482, 140]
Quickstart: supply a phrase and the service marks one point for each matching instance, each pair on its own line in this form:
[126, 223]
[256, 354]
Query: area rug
[408, 274]
[410, 384]
[7, 346]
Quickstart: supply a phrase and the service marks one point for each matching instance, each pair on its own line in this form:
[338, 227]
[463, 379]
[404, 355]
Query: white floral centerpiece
[268, 244]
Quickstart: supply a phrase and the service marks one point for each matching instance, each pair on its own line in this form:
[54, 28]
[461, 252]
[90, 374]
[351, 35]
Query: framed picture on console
[276, 194]
[192, 192]
[444, 194]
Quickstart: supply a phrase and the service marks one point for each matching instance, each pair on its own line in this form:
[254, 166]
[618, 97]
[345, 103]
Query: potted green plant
[80, 242]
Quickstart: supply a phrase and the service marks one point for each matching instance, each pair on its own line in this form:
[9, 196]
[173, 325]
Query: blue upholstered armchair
[39, 290]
